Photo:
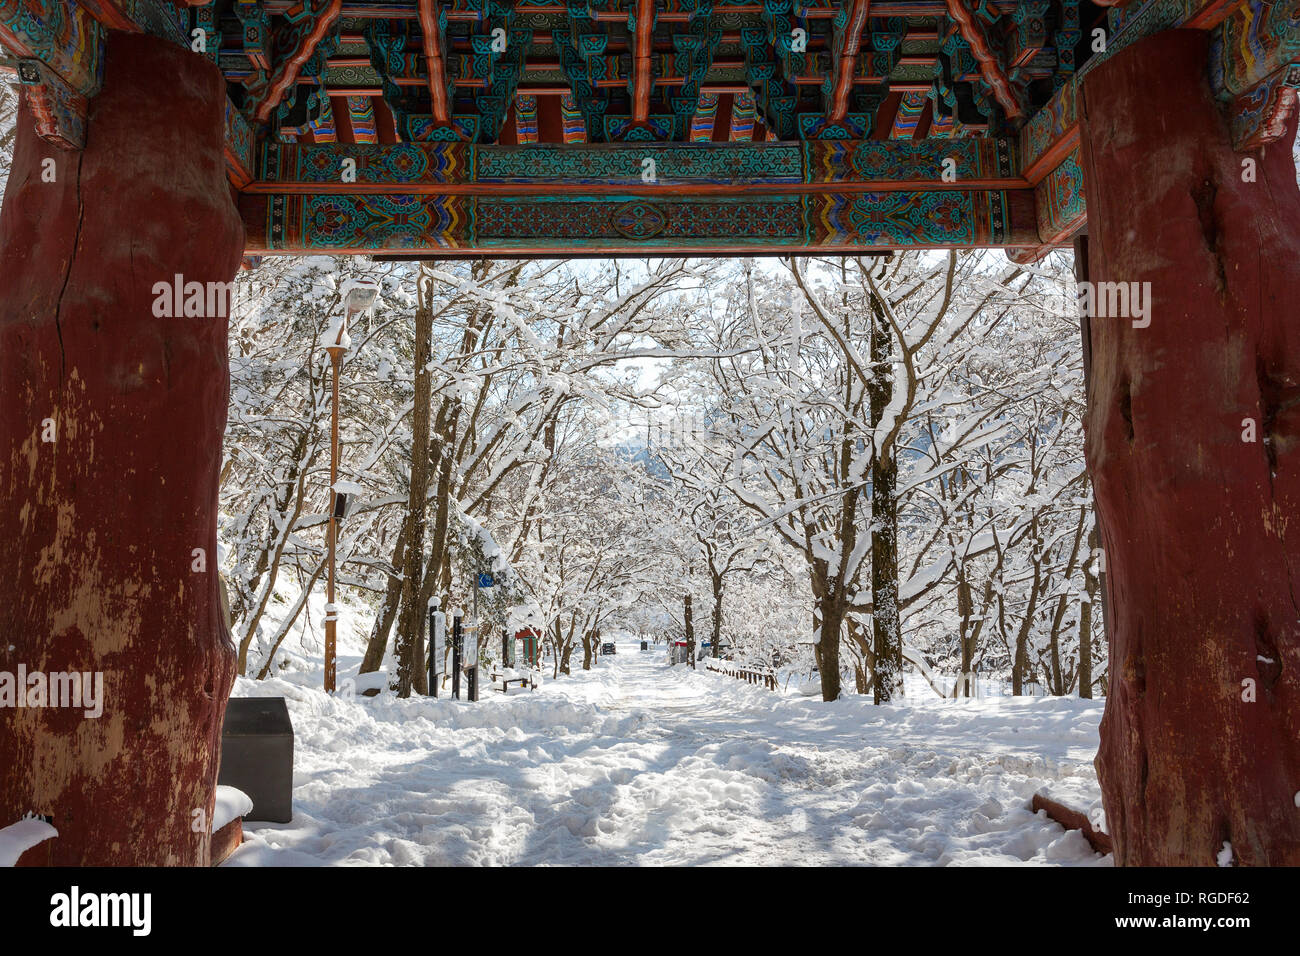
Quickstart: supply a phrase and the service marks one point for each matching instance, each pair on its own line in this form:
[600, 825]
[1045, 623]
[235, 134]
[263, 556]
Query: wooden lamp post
[359, 297]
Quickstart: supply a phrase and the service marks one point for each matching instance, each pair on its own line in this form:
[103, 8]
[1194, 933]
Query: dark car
[608, 648]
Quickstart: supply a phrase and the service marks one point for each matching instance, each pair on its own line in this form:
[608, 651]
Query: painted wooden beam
[160, 18]
[753, 224]
[574, 127]
[60, 47]
[847, 61]
[712, 169]
[992, 72]
[111, 14]
[361, 117]
[705, 118]
[525, 118]
[642, 64]
[63, 36]
[1257, 41]
[880, 10]
[908, 116]
[743, 113]
[1252, 51]
[431, 39]
[1263, 114]
[315, 20]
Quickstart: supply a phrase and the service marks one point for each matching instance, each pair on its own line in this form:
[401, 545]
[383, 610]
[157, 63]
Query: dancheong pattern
[855, 220]
[723, 103]
[831, 161]
[1059, 200]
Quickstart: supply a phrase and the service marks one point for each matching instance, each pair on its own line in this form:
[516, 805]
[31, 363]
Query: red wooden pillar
[111, 421]
[1200, 744]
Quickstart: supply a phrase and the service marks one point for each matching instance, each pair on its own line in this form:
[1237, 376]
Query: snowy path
[640, 763]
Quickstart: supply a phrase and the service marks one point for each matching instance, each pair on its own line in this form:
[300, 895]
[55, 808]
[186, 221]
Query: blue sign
[486, 580]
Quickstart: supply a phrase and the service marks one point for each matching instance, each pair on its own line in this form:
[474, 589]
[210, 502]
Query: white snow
[336, 334]
[17, 838]
[231, 803]
[637, 762]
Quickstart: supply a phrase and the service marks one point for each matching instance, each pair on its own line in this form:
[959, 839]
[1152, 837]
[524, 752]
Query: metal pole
[470, 653]
[455, 656]
[331, 614]
[433, 650]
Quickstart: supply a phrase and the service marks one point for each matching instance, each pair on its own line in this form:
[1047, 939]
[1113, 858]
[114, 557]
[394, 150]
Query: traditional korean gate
[152, 131]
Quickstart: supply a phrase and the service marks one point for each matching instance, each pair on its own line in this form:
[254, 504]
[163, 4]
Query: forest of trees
[860, 465]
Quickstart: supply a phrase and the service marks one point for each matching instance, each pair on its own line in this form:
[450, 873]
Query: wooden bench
[507, 681]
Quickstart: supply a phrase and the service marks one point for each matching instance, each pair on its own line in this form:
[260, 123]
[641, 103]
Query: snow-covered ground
[637, 762]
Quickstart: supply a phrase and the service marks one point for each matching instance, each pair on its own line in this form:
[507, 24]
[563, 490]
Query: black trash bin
[257, 755]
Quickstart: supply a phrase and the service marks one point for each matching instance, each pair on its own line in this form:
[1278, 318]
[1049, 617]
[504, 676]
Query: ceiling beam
[847, 61]
[716, 169]
[830, 222]
[642, 65]
[437, 67]
[990, 70]
[307, 37]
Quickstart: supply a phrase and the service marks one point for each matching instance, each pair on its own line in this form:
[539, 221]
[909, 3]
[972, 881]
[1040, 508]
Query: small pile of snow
[371, 680]
[336, 335]
[231, 803]
[16, 839]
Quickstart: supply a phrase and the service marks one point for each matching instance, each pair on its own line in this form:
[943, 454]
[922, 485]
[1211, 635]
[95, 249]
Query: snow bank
[639, 763]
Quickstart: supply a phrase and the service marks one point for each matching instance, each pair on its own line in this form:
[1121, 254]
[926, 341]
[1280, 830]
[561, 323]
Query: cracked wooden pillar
[1193, 441]
[111, 422]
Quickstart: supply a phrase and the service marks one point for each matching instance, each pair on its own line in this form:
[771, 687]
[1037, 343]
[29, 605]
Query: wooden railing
[750, 675]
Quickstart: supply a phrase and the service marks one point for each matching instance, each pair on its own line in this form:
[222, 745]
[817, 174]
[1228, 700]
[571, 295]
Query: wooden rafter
[437, 67]
[847, 62]
[992, 72]
[642, 65]
[111, 15]
[286, 71]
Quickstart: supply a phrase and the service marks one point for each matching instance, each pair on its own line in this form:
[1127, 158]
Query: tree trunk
[1200, 743]
[1085, 618]
[690, 633]
[438, 573]
[378, 642]
[1020, 658]
[717, 614]
[862, 668]
[831, 611]
[109, 563]
[886, 624]
[410, 622]
[1062, 604]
